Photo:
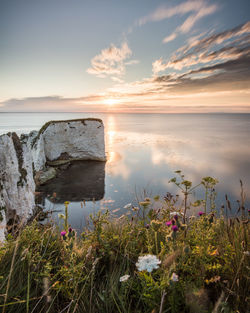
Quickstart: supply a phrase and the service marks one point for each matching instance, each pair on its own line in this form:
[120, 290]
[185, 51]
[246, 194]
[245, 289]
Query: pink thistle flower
[169, 223]
[175, 228]
[63, 233]
[201, 213]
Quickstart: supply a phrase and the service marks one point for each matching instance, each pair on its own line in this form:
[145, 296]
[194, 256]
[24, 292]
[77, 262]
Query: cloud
[117, 79]
[158, 66]
[212, 75]
[219, 38]
[110, 61]
[170, 38]
[221, 86]
[132, 62]
[164, 12]
[196, 8]
[226, 76]
[192, 19]
[53, 103]
[235, 43]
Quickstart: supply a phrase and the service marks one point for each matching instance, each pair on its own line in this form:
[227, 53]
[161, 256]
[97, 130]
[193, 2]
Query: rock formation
[17, 185]
[22, 159]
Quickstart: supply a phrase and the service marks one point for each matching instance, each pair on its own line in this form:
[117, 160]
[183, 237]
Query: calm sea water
[143, 152]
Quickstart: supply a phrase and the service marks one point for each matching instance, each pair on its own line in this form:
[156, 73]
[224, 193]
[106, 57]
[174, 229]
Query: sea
[143, 153]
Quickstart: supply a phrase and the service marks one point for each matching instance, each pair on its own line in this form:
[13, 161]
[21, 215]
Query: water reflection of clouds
[201, 159]
[222, 155]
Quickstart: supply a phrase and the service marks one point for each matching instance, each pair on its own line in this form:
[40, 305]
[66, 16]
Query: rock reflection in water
[83, 180]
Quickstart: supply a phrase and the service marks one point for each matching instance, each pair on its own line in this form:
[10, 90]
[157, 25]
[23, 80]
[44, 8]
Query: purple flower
[169, 223]
[174, 228]
[147, 226]
[201, 213]
[70, 229]
[176, 217]
[63, 233]
[173, 222]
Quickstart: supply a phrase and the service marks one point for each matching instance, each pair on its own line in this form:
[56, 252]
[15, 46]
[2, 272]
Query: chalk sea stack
[27, 160]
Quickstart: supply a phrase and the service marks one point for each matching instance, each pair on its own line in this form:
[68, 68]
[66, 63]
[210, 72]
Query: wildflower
[127, 206]
[135, 208]
[175, 277]
[169, 223]
[61, 216]
[173, 222]
[124, 278]
[144, 203]
[147, 226]
[214, 279]
[156, 198]
[176, 217]
[70, 229]
[175, 228]
[175, 213]
[201, 213]
[155, 225]
[63, 233]
[147, 263]
[192, 217]
[66, 202]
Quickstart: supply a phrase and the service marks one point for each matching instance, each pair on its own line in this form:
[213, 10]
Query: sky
[125, 56]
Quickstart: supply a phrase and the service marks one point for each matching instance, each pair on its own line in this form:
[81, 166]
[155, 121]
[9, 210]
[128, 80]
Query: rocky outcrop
[17, 183]
[81, 139]
[2, 217]
[35, 143]
[57, 143]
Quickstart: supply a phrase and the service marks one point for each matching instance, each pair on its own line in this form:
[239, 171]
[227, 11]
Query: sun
[111, 101]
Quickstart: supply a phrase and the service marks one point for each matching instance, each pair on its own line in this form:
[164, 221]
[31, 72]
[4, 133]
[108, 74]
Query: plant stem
[162, 300]
[185, 205]
[205, 208]
[11, 270]
[156, 242]
[28, 290]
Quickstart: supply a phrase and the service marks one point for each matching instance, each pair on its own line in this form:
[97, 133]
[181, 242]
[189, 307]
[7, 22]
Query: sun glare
[111, 101]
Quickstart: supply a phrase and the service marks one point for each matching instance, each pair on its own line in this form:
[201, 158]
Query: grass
[204, 264]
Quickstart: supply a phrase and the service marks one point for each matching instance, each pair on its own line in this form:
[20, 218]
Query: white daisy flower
[175, 213]
[124, 278]
[147, 263]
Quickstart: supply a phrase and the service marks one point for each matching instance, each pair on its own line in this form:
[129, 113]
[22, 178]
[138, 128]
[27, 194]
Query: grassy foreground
[198, 264]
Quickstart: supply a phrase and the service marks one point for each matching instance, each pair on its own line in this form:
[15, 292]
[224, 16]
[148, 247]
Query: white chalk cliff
[70, 140]
[17, 185]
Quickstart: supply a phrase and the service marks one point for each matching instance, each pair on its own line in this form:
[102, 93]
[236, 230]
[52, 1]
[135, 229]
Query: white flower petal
[124, 278]
[147, 263]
